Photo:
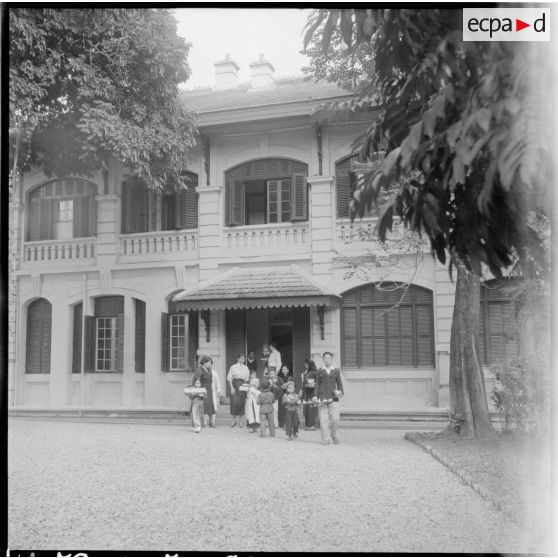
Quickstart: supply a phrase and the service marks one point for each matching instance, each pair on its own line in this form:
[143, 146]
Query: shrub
[521, 393]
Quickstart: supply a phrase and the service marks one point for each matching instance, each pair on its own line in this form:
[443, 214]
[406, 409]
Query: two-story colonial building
[120, 289]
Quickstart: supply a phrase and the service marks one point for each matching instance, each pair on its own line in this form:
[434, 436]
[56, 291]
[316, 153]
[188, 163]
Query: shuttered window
[145, 211]
[62, 209]
[39, 324]
[179, 341]
[498, 333]
[387, 325]
[266, 191]
[349, 176]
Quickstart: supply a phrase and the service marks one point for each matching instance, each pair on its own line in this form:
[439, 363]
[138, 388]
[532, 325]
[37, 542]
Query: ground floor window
[39, 325]
[387, 324]
[179, 341]
[104, 336]
[498, 332]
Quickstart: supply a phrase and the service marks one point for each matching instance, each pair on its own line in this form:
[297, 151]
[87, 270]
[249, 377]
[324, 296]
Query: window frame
[113, 338]
[383, 308]
[271, 171]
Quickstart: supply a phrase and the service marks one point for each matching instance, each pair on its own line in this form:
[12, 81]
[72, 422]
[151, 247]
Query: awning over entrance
[256, 287]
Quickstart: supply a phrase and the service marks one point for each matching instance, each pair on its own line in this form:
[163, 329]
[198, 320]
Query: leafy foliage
[89, 85]
[471, 119]
[519, 393]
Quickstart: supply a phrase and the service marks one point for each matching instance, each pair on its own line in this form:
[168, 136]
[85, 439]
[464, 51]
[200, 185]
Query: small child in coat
[266, 400]
[196, 410]
[291, 401]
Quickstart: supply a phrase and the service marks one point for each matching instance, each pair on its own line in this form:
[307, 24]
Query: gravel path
[78, 485]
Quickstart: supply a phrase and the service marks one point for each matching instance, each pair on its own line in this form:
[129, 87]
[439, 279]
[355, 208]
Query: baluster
[91, 250]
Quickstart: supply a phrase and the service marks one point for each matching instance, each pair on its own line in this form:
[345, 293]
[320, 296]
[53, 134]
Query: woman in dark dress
[309, 409]
[252, 363]
[238, 375]
[205, 376]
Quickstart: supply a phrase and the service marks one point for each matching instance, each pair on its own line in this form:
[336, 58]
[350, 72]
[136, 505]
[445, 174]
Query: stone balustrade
[253, 237]
[76, 250]
[158, 245]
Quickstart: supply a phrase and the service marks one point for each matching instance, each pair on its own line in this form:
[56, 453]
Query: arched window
[498, 332]
[266, 191]
[144, 210]
[349, 175]
[39, 326]
[62, 209]
[387, 325]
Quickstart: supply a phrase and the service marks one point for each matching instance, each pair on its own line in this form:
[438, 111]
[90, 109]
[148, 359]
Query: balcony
[158, 246]
[256, 240]
[78, 251]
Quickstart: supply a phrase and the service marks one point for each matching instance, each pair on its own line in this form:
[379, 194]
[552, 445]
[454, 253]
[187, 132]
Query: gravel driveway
[105, 486]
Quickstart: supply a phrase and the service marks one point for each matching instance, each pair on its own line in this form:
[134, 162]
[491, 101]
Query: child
[275, 389]
[265, 401]
[283, 378]
[252, 408]
[196, 409]
[291, 401]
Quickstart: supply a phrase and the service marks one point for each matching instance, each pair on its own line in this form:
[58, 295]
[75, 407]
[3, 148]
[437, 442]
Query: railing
[59, 250]
[267, 236]
[161, 243]
[365, 230]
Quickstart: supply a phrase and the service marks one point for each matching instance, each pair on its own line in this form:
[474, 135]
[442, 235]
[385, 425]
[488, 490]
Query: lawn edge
[416, 438]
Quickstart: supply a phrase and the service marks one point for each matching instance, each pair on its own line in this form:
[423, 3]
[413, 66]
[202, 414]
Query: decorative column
[60, 354]
[209, 231]
[129, 371]
[107, 222]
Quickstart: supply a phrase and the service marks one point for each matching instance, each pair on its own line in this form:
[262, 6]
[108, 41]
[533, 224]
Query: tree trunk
[466, 379]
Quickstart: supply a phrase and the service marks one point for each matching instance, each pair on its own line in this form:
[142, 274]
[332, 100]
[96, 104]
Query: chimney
[226, 73]
[261, 73]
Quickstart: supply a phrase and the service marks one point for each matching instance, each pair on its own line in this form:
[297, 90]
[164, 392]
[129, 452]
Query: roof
[255, 287]
[284, 90]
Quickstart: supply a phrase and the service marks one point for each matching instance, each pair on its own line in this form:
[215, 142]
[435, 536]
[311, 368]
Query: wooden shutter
[39, 316]
[131, 205]
[140, 336]
[235, 202]
[343, 187]
[34, 217]
[79, 216]
[165, 342]
[89, 349]
[424, 335]
[45, 221]
[76, 339]
[193, 340]
[189, 209]
[119, 343]
[299, 197]
[350, 337]
[379, 318]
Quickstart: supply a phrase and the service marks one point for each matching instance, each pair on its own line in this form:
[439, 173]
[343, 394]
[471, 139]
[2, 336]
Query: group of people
[271, 400]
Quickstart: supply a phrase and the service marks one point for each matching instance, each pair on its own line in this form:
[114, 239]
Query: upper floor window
[144, 210]
[349, 176]
[498, 332]
[62, 209]
[266, 191]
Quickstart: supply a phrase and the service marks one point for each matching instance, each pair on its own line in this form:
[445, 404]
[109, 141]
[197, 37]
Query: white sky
[244, 33]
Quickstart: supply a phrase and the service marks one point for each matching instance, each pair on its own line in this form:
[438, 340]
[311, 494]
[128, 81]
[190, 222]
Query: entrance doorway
[252, 328]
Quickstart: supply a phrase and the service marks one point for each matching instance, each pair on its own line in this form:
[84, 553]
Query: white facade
[152, 267]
